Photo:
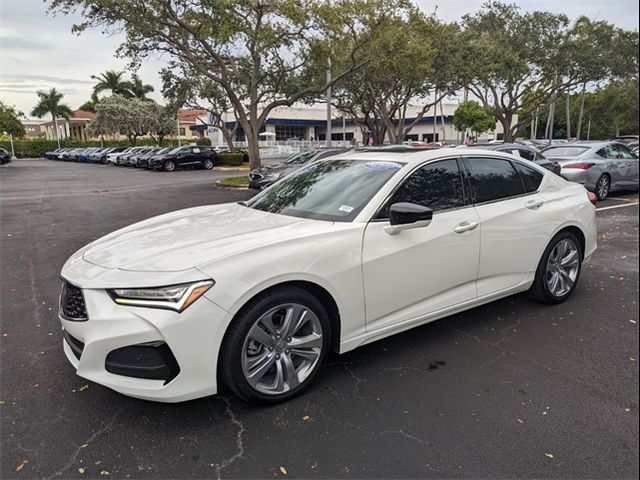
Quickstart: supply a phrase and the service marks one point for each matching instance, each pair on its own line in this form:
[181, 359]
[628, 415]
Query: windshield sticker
[382, 166]
[346, 209]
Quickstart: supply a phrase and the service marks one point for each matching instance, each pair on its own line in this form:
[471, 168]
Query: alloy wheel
[562, 267]
[169, 166]
[282, 348]
[603, 187]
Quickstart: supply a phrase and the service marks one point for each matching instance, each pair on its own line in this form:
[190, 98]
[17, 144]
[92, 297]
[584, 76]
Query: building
[72, 128]
[192, 123]
[309, 124]
[33, 128]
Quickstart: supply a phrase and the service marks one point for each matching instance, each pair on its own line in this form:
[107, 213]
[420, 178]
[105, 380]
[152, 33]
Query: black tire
[603, 187]
[230, 360]
[169, 166]
[540, 290]
[207, 164]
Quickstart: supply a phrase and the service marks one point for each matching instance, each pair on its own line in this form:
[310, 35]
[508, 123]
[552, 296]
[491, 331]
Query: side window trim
[466, 194]
[465, 160]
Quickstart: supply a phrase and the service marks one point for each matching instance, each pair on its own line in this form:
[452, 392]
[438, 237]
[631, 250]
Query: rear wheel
[603, 186]
[169, 166]
[558, 270]
[207, 164]
[275, 346]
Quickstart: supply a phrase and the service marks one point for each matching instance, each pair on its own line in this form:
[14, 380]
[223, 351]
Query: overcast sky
[38, 51]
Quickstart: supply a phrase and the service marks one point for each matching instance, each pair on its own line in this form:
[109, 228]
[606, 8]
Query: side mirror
[405, 216]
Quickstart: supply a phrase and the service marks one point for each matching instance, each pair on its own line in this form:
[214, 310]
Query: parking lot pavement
[510, 389]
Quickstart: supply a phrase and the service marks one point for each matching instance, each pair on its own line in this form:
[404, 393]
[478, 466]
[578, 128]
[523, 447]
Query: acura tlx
[343, 252]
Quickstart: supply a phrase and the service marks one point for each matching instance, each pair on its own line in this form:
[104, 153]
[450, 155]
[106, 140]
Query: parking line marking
[616, 206]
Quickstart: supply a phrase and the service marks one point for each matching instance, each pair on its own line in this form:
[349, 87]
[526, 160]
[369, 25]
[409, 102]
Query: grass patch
[242, 181]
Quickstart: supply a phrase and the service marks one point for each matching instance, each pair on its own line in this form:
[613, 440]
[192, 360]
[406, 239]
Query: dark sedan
[142, 161]
[526, 152]
[263, 177]
[181, 157]
[5, 157]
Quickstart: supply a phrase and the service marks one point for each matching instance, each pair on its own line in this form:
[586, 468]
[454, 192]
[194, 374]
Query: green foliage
[233, 159]
[203, 141]
[49, 103]
[471, 115]
[89, 106]
[10, 120]
[138, 88]
[113, 82]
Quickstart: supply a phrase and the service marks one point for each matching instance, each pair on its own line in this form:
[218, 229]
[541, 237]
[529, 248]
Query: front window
[333, 190]
[299, 158]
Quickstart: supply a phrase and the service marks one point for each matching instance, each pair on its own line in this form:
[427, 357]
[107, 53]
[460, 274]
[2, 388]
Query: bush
[234, 159]
[203, 141]
[25, 148]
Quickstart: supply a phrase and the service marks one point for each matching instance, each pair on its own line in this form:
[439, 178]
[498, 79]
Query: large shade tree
[50, 103]
[414, 63]
[262, 53]
[10, 120]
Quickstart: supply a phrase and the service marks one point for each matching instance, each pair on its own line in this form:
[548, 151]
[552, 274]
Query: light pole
[13, 153]
[329, 102]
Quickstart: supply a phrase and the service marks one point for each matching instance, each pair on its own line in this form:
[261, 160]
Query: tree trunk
[253, 148]
[228, 137]
[506, 122]
[581, 111]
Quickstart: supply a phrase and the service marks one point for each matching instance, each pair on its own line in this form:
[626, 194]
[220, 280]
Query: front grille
[76, 345]
[153, 361]
[72, 306]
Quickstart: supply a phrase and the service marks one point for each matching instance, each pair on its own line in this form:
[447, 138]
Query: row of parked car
[156, 158]
[601, 167]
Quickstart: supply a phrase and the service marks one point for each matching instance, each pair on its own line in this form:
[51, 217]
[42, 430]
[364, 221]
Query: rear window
[531, 178]
[493, 179]
[564, 151]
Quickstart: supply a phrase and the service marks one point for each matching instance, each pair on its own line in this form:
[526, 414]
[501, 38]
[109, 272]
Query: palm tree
[112, 81]
[49, 103]
[138, 88]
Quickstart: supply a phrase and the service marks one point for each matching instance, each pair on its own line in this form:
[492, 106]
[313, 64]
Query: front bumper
[192, 337]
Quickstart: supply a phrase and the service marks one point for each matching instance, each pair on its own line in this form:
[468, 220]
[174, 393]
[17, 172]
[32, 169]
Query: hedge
[25, 148]
[234, 159]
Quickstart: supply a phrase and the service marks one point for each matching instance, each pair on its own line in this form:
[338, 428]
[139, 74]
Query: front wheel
[169, 166]
[275, 346]
[603, 186]
[559, 269]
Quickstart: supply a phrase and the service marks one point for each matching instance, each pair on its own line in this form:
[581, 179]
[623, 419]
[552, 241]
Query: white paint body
[381, 283]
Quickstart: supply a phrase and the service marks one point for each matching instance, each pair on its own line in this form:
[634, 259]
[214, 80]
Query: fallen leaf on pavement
[22, 464]
[283, 471]
[306, 418]
[104, 472]
[550, 455]
[84, 387]
[81, 470]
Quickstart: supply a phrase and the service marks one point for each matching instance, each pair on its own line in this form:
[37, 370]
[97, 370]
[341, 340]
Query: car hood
[184, 239]
[278, 168]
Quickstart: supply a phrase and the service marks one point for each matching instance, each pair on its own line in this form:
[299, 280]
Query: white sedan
[341, 253]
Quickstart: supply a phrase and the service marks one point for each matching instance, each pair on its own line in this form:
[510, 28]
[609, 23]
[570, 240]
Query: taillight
[581, 166]
[592, 197]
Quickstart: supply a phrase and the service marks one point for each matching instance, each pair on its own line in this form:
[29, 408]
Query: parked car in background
[84, 156]
[70, 154]
[53, 154]
[193, 156]
[142, 161]
[263, 177]
[600, 166]
[627, 139]
[523, 151]
[343, 252]
[133, 157]
[122, 159]
[5, 157]
[113, 157]
[102, 156]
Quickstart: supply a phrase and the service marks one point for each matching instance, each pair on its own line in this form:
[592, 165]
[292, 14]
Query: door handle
[533, 204]
[465, 227]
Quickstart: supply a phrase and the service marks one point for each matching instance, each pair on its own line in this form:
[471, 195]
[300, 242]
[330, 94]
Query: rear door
[628, 166]
[509, 208]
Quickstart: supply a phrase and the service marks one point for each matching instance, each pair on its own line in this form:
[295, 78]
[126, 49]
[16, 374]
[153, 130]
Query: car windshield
[175, 150]
[333, 190]
[564, 151]
[299, 158]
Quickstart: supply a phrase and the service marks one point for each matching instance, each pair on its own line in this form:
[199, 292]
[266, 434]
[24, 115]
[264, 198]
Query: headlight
[172, 297]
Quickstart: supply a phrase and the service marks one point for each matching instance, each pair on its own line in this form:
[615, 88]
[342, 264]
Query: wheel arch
[318, 291]
[578, 233]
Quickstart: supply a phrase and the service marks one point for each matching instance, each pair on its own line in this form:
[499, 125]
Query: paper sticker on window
[346, 209]
[382, 165]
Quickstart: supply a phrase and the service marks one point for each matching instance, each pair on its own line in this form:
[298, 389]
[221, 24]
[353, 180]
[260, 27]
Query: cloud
[9, 43]
[46, 78]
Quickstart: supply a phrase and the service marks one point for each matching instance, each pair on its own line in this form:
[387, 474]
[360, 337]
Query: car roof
[416, 156]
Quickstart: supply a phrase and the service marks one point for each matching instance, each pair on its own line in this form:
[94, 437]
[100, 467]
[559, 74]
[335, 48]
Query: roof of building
[189, 115]
[82, 114]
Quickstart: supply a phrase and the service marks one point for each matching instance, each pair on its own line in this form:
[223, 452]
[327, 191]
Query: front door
[410, 274]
